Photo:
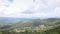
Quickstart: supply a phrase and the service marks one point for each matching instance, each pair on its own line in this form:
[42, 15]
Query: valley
[32, 26]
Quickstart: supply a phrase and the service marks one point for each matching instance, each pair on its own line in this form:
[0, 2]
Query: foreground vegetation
[55, 30]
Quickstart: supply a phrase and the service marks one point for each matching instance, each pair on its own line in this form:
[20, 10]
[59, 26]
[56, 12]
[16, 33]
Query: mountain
[5, 20]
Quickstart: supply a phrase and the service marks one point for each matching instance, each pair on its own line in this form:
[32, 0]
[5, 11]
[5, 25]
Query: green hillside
[51, 26]
[55, 30]
[37, 22]
[32, 23]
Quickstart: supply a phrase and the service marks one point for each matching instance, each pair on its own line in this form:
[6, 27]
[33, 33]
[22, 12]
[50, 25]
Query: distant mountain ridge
[11, 19]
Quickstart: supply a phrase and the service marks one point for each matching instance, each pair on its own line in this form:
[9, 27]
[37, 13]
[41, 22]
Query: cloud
[28, 12]
[29, 8]
[57, 11]
[54, 3]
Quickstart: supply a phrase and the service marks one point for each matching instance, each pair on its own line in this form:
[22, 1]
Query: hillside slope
[56, 30]
[37, 22]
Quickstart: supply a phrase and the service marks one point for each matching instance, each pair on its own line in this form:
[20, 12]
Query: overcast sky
[29, 8]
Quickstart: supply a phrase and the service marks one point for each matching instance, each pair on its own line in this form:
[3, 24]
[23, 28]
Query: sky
[30, 8]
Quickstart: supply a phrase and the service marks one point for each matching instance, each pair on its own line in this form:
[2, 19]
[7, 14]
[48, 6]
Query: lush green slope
[32, 23]
[55, 30]
[37, 22]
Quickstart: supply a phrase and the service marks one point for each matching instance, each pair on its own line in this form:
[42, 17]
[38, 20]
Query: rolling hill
[21, 22]
[37, 22]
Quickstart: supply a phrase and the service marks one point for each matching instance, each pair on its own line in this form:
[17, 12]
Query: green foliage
[0, 32]
[56, 30]
[50, 31]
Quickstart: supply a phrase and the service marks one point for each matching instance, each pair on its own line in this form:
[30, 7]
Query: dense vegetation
[8, 28]
[55, 30]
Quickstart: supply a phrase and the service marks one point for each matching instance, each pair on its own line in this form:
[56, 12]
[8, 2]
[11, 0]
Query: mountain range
[11, 19]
